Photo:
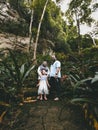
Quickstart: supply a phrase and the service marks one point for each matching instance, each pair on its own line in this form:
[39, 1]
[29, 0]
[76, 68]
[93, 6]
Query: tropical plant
[86, 94]
[81, 86]
[14, 76]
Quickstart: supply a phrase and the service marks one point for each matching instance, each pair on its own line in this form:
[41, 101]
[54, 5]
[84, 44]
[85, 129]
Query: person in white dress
[43, 85]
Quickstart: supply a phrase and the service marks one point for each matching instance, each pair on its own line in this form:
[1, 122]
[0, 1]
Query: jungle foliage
[77, 53]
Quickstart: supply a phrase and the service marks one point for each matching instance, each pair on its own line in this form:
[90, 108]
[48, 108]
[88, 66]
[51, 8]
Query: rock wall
[13, 42]
[11, 21]
[7, 13]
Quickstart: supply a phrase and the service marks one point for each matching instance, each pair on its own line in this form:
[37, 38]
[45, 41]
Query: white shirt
[53, 69]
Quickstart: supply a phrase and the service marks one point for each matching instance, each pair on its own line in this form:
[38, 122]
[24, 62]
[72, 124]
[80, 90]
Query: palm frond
[95, 79]
[22, 70]
[15, 64]
[81, 82]
[87, 100]
[27, 73]
[73, 77]
[10, 72]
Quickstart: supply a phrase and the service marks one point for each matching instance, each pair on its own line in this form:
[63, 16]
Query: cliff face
[13, 42]
[11, 21]
[7, 13]
[11, 26]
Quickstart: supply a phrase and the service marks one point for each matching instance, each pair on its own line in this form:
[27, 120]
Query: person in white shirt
[55, 77]
[44, 66]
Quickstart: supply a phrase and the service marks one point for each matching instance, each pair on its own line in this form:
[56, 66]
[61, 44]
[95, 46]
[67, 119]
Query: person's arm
[48, 72]
[58, 66]
[39, 71]
[48, 83]
[58, 70]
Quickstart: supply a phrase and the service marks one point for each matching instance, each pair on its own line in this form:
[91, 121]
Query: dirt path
[46, 115]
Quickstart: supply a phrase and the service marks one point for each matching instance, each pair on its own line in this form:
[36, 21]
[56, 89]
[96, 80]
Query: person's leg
[41, 97]
[57, 88]
[52, 88]
[45, 97]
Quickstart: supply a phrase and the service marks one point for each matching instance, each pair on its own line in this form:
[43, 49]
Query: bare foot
[41, 98]
[45, 98]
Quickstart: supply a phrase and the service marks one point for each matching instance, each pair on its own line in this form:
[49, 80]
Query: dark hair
[43, 69]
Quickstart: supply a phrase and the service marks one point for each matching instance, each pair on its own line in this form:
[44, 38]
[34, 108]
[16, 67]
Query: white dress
[43, 88]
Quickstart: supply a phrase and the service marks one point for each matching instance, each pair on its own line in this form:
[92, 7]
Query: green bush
[17, 28]
[15, 75]
[90, 53]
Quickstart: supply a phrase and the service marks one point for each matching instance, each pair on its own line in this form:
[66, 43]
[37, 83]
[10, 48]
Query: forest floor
[44, 115]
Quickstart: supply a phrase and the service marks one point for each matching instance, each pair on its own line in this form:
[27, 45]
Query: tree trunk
[78, 29]
[93, 40]
[30, 30]
[38, 30]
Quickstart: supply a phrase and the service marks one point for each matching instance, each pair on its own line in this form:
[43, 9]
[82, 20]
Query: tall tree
[38, 30]
[94, 33]
[80, 11]
[30, 4]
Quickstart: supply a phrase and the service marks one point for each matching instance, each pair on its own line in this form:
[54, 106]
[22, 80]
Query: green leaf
[87, 100]
[10, 71]
[17, 71]
[73, 78]
[27, 73]
[22, 70]
[95, 79]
